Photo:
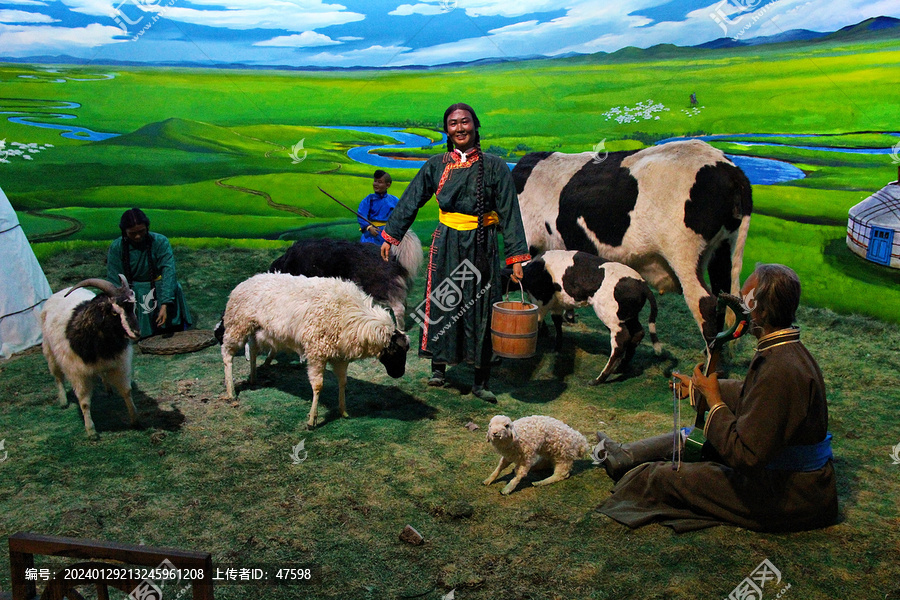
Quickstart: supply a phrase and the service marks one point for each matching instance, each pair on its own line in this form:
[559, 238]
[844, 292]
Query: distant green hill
[876, 28]
[190, 136]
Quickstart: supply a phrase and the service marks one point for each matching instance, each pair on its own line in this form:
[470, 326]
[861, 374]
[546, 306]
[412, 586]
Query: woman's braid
[479, 196]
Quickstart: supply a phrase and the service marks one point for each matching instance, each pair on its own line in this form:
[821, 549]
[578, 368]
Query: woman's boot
[482, 374]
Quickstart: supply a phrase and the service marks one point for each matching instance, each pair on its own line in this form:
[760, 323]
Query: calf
[672, 212]
[560, 280]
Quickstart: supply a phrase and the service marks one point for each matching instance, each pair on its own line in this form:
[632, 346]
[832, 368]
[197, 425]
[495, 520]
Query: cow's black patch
[584, 277]
[720, 269]
[538, 282]
[720, 196]
[522, 171]
[710, 327]
[95, 331]
[603, 194]
[629, 295]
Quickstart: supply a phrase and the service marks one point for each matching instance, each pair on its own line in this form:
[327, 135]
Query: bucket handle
[522, 289]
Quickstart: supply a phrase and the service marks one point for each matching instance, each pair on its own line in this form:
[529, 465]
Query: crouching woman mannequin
[147, 261]
[767, 461]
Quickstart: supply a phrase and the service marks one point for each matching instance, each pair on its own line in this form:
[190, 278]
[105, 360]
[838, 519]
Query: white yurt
[23, 286]
[873, 229]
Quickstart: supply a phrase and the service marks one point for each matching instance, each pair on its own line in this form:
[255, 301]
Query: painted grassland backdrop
[238, 155]
[227, 163]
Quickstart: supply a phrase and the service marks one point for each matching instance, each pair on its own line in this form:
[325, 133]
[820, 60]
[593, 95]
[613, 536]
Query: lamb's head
[501, 431]
[121, 300]
[393, 357]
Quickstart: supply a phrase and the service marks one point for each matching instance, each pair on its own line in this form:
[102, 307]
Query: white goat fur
[63, 362]
[322, 319]
[529, 440]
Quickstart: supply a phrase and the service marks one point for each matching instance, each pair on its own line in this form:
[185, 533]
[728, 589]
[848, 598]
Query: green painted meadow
[211, 154]
[227, 164]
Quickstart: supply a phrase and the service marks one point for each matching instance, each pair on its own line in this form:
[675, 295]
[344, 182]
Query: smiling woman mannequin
[477, 200]
[147, 261]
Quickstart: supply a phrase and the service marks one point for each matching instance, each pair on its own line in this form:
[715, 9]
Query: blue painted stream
[759, 170]
[72, 132]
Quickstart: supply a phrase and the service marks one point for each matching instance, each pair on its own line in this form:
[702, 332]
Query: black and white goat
[559, 280]
[86, 335]
[387, 282]
[324, 320]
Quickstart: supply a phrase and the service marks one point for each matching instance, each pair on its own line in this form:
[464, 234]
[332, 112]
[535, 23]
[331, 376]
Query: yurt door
[880, 244]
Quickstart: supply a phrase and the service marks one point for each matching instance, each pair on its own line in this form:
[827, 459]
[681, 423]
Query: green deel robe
[456, 313]
[780, 403]
[167, 289]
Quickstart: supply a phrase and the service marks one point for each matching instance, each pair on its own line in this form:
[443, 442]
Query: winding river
[760, 171]
[362, 154]
[72, 132]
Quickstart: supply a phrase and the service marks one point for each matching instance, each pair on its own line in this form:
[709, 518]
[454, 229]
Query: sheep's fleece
[527, 441]
[322, 319]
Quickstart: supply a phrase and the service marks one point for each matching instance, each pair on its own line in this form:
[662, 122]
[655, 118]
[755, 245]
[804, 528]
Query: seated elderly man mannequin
[767, 460]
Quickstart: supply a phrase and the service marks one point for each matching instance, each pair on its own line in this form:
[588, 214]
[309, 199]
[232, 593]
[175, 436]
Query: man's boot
[618, 458]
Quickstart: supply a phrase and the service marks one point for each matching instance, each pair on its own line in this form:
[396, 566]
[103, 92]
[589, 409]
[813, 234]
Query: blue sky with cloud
[380, 33]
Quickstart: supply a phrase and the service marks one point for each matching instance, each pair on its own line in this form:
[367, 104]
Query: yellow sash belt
[462, 222]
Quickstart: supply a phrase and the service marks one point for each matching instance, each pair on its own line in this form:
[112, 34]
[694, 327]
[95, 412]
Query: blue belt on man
[803, 458]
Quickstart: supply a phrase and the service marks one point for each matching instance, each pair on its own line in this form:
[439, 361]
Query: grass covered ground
[216, 475]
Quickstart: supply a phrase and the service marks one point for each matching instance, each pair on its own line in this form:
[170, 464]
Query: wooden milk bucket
[514, 327]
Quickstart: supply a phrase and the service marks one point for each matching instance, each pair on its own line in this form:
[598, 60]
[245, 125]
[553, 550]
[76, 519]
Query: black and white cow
[561, 280]
[671, 212]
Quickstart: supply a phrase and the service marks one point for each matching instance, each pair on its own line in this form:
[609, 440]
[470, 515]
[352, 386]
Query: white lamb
[529, 440]
[323, 320]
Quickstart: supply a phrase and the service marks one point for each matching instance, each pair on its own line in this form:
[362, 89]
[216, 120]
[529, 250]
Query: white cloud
[21, 16]
[291, 15]
[507, 8]
[404, 10]
[522, 27]
[24, 2]
[307, 39]
[23, 40]
[274, 15]
[373, 56]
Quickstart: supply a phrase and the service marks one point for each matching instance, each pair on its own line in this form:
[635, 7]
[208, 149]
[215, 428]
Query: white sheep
[527, 441]
[85, 335]
[323, 320]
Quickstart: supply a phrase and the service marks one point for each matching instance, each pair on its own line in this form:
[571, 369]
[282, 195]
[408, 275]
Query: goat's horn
[103, 285]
